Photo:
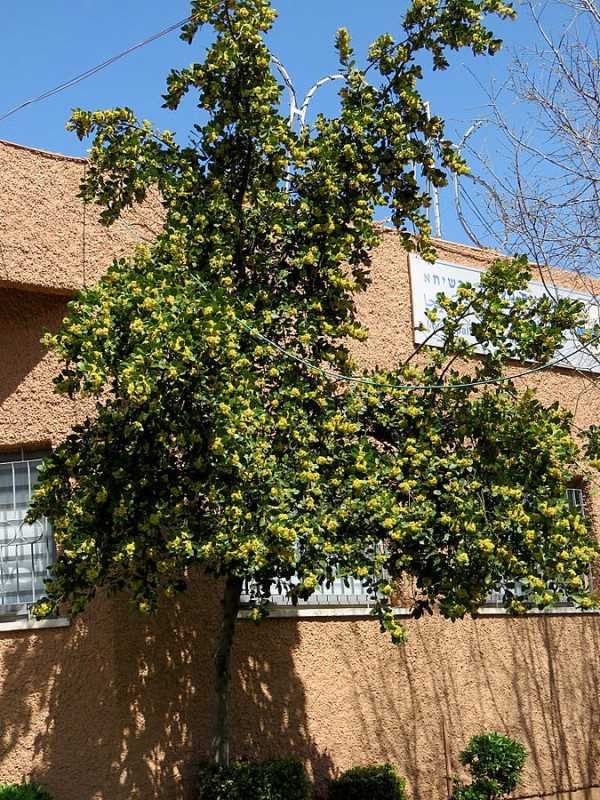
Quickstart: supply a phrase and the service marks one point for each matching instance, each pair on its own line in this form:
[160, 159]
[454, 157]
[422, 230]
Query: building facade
[111, 706]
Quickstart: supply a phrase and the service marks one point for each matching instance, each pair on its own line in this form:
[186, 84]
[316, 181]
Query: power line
[406, 387]
[88, 74]
[377, 384]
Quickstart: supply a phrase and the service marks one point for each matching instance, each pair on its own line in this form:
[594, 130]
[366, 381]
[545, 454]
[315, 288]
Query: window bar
[17, 573]
[14, 486]
[33, 572]
[2, 591]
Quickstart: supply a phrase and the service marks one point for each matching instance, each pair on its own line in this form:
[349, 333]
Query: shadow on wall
[418, 705]
[270, 698]
[119, 707]
[532, 679]
[23, 316]
[568, 712]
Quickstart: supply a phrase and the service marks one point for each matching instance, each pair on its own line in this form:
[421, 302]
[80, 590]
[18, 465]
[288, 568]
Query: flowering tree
[232, 428]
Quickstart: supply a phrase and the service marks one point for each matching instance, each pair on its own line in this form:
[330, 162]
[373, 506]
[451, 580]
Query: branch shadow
[119, 707]
[532, 679]
[419, 704]
[107, 709]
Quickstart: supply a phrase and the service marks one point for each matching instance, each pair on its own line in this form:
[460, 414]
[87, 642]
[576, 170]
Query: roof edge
[445, 243]
[39, 151]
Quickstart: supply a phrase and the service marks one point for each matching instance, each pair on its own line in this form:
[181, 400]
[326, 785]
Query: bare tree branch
[545, 175]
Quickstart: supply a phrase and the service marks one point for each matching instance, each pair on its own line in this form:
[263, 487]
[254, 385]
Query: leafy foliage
[270, 471]
[495, 762]
[22, 791]
[271, 779]
[211, 446]
[377, 782]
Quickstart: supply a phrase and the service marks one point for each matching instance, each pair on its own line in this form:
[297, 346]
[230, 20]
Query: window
[26, 550]
[576, 500]
[348, 593]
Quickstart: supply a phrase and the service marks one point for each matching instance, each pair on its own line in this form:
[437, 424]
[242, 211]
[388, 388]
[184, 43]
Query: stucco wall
[49, 240]
[117, 707]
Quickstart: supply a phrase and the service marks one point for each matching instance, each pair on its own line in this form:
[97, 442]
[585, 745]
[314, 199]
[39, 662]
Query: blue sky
[43, 45]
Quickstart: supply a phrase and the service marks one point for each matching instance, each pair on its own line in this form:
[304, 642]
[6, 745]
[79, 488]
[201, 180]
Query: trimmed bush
[495, 762]
[272, 779]
[378, 782]
[22, 791]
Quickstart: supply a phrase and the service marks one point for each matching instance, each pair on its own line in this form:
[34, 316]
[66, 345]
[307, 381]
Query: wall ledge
[32, 624]
[279, 612]
[315, 612]
[557, 611]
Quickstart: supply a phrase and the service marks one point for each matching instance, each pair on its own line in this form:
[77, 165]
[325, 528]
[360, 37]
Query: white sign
[428, 280]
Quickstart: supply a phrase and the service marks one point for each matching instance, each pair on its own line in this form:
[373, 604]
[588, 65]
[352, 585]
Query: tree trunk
[222, 659]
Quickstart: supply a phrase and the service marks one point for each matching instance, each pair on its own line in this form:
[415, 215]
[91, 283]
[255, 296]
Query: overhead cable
[378, 385]
[94, 70]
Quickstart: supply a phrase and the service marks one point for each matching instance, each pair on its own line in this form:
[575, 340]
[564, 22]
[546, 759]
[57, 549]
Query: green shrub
[378, 782]
[272, 779]
[22, 791]
[495, 762]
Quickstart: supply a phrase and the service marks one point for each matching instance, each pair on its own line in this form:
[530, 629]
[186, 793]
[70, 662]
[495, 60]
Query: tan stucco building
[112, 706]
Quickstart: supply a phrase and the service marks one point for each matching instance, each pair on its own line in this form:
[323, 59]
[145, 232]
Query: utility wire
[94, 70]
[363, 381]
[330, 373]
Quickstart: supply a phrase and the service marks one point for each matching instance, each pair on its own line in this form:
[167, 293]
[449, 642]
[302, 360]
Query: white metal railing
[337, 594]
[575, 498]
[341, 592]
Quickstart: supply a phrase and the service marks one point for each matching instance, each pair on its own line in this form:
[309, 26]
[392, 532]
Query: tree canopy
[233, 428]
